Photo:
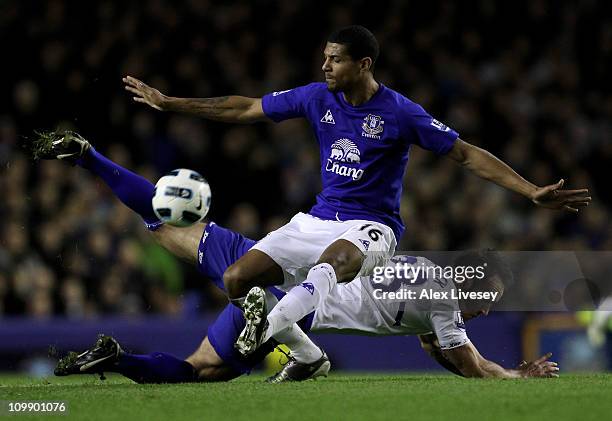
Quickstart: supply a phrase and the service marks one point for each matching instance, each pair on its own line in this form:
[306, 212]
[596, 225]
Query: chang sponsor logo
[343, 151]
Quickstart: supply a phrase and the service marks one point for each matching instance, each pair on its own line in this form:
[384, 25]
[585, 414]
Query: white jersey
[411, 306]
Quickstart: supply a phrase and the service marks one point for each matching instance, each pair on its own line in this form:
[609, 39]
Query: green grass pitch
[370, 396]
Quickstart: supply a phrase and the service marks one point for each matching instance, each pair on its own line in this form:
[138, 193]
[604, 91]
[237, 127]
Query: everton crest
[372, 126]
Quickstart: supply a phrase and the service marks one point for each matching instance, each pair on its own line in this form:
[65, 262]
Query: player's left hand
[553, 197]
[539, 368]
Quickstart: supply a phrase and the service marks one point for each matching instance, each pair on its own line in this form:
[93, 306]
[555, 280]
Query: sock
[302, 348]
[133, 190]
[157, 367]
[301, 299]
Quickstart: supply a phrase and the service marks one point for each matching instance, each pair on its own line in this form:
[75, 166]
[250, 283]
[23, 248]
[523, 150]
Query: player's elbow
[253, 111]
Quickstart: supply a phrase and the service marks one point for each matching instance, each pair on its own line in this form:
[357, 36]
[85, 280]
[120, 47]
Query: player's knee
[235, 279]
[346, 262]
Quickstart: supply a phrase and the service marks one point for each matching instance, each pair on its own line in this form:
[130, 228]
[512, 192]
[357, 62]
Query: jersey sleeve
[283, 105]
[417, 126]
[449, 328]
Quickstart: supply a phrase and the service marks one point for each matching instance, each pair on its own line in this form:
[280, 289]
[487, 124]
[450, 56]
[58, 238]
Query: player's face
[341, 71]
[472, 314]
[476, 308]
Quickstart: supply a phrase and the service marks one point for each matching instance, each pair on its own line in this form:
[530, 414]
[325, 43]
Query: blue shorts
[224, 332]
[219, 248]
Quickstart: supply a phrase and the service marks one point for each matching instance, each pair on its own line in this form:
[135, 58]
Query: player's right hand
[540, 367]
[144, 93]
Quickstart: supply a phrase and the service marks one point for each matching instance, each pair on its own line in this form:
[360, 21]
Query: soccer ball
[181, 198]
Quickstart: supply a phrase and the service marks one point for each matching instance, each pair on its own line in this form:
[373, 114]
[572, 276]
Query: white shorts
[297, 246]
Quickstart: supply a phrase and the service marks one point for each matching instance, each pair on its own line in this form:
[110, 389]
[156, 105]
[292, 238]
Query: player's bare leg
[182, 242]
[345, 259]
[255, 268]
[208, 366]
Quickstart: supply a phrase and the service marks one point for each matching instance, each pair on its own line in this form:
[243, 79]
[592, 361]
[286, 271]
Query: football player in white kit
[425, 305]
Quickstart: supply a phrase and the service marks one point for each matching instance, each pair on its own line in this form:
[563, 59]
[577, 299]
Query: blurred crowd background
[527, 80]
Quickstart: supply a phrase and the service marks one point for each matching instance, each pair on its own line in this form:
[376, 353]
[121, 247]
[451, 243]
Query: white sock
[302, 348]
[301, 299]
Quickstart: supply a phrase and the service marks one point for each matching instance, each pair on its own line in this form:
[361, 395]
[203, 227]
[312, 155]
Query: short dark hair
[359, 42]
[495, 264]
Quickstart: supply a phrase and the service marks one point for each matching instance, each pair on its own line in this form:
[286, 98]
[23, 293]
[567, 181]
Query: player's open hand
[540, 367]
[553, 197]
[144, 93]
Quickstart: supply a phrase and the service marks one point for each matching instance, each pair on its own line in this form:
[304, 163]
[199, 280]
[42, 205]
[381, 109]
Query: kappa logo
[328, 118]
[372, 126]
[344, 150]
[200, 256]
[366, 244]
[308, 287]
[439, 125]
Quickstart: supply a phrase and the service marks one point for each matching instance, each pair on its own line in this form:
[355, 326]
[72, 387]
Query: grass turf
[370, 396]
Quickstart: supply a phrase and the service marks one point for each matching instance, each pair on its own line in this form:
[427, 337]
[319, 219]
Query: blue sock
[157, 367]
[133, 190]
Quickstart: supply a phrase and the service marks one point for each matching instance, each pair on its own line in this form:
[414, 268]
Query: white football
[182, 198]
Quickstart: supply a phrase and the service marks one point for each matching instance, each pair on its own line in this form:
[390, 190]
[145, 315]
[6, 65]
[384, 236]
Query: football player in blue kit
[350, 307]
[365, 131]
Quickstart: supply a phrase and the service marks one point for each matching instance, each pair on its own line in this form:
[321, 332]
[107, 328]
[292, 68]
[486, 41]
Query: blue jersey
[363, 149]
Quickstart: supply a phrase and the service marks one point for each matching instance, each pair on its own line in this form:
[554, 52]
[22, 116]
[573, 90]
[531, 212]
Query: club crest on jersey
[344, 151]
[328, 118]
[366, 244]
[372, 126]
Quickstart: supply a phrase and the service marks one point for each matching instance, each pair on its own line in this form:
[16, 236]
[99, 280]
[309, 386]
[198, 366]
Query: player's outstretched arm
[471, 364]
[229, 109]
[430, 345]
[487, 166]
